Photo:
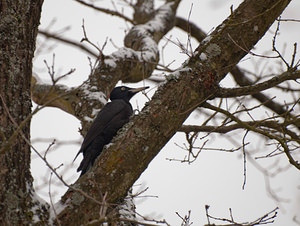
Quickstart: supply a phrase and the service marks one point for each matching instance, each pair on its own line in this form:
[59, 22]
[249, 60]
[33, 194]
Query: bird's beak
[136, 90]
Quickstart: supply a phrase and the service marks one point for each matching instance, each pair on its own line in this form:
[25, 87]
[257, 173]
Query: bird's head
[124, 92]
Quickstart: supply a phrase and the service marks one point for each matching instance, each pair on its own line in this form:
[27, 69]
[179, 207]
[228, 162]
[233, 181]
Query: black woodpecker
[106, 125]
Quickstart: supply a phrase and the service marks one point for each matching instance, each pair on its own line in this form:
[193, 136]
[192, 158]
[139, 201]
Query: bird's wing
[104, 117]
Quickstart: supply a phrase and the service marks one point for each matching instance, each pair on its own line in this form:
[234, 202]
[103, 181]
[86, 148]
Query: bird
[109, 120]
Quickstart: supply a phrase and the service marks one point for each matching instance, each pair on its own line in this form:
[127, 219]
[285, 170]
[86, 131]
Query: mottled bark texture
[138, 143]
[18, 30]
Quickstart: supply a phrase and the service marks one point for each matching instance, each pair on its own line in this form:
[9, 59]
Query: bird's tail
[87, 162]
[85, 165]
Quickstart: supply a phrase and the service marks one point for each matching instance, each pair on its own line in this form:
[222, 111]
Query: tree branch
[279, 127]
[230, 128]
[242, 80]
[68, 41]
[256, 88]
[107, 11]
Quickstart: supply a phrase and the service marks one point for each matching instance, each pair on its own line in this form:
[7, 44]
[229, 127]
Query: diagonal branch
[121, 164]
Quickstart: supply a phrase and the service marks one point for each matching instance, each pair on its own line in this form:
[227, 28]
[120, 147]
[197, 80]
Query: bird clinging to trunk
[106, 125]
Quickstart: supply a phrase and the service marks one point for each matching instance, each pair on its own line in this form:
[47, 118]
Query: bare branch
[256, 88]
[275, 49]
[186, 219]
[245, 159]
[242, 80]
[225, 129]
[107, 11]
[68, 41]
[85, 38]
[268, 218]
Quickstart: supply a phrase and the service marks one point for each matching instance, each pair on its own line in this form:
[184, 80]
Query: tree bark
[120, 165]
[18, 30]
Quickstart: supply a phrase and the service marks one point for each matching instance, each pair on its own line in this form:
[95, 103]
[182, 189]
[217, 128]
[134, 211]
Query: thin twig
[107, 11]
[50, 196]
[244, 158]
[189, 43]
[249, 51]
[68, 41]
[274, 46]
[85, 38]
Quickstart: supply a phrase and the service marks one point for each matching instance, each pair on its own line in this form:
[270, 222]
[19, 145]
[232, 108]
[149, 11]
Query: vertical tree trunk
[18, 29]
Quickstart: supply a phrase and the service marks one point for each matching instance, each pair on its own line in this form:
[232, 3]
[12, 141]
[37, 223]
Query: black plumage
[106, 125]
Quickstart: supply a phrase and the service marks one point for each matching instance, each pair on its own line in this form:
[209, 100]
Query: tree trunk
[18, 30]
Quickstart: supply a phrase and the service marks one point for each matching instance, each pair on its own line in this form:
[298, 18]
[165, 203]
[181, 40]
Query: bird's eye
[123, 88]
